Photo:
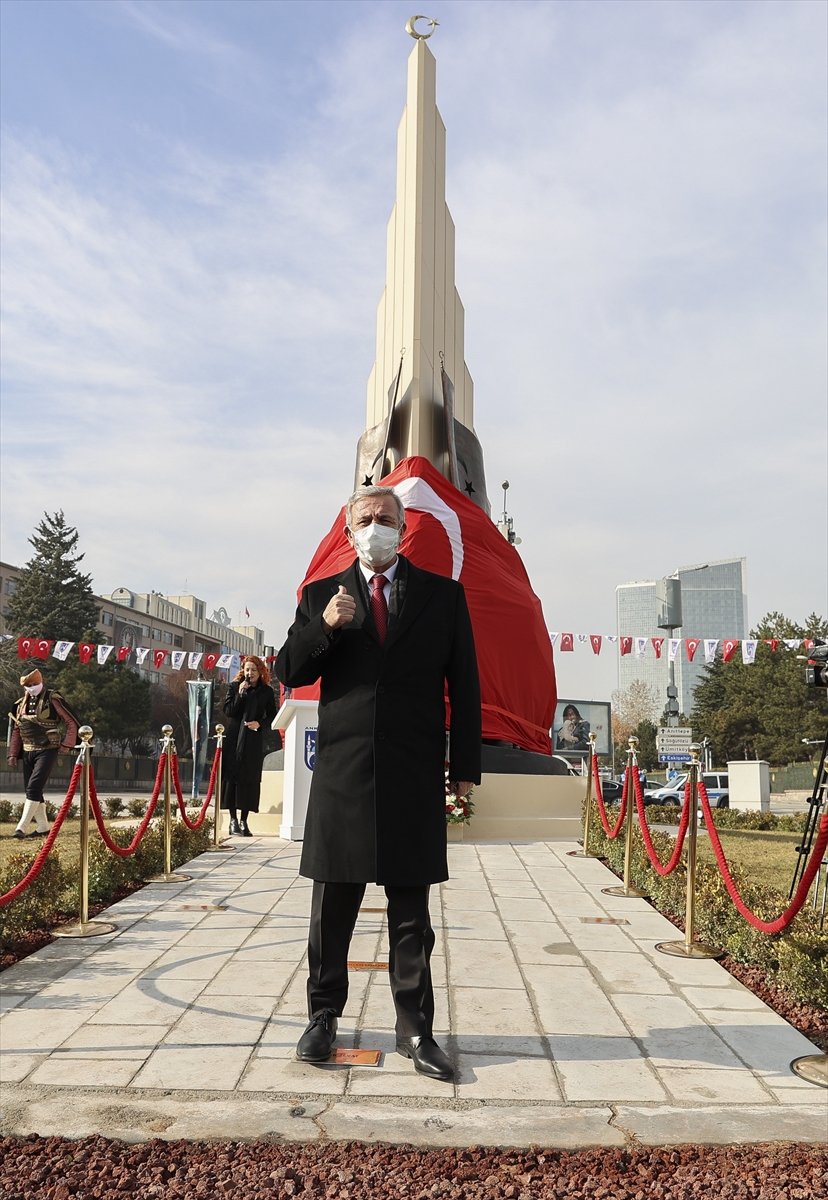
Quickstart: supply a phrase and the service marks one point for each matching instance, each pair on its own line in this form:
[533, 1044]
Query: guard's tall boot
[29, 814]
[41, 820]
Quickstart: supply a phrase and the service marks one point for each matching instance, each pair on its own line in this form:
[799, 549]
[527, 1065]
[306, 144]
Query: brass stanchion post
[168, 875]
[813, 1068]
[626, 888]
[217, 845]
[584, 853]
[85, 927]
[690, 948]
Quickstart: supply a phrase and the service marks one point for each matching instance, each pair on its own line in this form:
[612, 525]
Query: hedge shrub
[732, 818]
[55, 891]
[796, 960]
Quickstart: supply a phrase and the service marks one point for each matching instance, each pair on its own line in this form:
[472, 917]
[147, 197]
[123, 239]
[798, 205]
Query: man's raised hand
[339, 610]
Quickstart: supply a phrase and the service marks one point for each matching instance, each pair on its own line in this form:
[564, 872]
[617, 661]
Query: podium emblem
[310, 748]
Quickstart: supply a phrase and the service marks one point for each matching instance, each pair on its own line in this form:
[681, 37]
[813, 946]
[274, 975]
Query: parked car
[715, 782]
[611, 790]
[569, 769]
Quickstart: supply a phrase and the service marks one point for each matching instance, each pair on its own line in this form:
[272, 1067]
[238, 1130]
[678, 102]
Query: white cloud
[639, 199]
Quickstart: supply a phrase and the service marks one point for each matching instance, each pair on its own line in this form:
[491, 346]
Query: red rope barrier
[37, 866]
[599, 796]
[125, 851]
[199, 821]
[656, 863]
[801, 894]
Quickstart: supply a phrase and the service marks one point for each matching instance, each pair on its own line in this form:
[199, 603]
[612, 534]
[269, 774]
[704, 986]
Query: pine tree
[764, 710]
[53, 598]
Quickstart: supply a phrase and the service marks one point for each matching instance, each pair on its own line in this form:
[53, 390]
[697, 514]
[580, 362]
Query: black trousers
[334, 909]
[37, 767]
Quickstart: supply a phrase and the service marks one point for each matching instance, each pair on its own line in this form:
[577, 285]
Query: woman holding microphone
[250, 706]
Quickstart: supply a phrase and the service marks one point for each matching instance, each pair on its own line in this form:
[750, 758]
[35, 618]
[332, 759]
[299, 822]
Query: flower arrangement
[459, 809]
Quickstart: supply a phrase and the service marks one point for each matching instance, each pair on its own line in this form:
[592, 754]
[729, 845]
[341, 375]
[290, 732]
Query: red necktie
[379, 608]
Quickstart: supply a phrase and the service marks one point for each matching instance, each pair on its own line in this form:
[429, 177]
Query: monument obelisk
[420, 393]
[419, 438]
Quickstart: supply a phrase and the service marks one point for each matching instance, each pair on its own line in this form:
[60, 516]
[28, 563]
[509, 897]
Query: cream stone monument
[420, 393]
[420, 405]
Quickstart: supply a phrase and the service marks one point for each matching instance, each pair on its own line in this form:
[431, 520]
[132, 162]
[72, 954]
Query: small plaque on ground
[203, 908]
[357, 1058]
[353, 965]
[380, 910]
[603, 921]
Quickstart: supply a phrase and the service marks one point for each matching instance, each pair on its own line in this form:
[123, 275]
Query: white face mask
[35, 689]
[376, 544]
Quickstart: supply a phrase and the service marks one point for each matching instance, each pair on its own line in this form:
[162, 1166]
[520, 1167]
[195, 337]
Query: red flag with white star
[448, 534]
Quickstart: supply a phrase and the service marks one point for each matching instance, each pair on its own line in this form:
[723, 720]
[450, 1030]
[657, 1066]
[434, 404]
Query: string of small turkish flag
[641, 647]
[99, 652]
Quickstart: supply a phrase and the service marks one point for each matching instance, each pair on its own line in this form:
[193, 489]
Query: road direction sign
[675, 758]
[675, 733]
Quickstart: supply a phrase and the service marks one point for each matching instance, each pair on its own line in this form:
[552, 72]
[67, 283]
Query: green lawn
[67, 842]
[767, 856]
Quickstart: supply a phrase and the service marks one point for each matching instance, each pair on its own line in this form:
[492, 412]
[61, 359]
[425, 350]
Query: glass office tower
[714, 605]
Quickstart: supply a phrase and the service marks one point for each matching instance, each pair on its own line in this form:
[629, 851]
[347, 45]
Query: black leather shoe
[18, 833]
[316, 1043]
[235, 827]
[427, 1057]
[245, 832]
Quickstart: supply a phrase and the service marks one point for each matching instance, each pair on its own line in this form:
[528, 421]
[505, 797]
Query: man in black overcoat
[386, 640]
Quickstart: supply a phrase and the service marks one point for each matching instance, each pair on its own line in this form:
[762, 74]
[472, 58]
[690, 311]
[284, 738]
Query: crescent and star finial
[410, 27]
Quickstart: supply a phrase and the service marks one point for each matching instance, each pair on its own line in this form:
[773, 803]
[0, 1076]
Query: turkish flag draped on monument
[448, 534]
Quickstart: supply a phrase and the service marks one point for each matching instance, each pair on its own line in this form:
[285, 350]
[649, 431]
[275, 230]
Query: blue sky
[194, 206]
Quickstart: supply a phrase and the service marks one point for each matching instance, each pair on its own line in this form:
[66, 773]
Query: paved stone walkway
[567, 1029]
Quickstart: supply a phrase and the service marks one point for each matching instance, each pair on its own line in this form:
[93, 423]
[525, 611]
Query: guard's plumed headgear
[32, 679]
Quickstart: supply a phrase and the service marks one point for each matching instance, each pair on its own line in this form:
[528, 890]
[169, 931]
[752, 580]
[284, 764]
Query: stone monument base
[519, 799]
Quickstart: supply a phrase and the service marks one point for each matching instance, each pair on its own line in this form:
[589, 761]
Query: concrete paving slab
[17, 1066]
[513, 1125]
[76, 991]
[85, 1072]
[732, 1124]
[563, 1035]
[150, 1002]
[731, 997]
[468, 899]
[10, 1000]
[626, 971]
[506, 1077]
[553, 989]
[106, 1042]
[224, 1021]
[480, 926]
[604, 1069]
[673, 1034]
[494, 1012]
[202, 1068]
[688, 1083]
[522, 910]
[138, 1119]
[286, 1076]
[260, 978]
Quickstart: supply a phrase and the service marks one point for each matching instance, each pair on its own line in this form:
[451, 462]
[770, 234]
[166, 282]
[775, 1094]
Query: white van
[715, 782]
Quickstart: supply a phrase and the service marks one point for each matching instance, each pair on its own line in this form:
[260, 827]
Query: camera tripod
[816, 805]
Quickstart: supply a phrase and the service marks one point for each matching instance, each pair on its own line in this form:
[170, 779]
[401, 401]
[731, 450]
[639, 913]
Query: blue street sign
[671, 758]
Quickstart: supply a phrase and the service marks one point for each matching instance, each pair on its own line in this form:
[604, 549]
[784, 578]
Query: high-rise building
[714, 605]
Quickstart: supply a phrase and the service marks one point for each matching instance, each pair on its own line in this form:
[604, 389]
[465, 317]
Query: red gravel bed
[95, 1168]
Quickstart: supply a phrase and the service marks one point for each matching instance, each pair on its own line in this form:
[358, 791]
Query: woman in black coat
[249, 706]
